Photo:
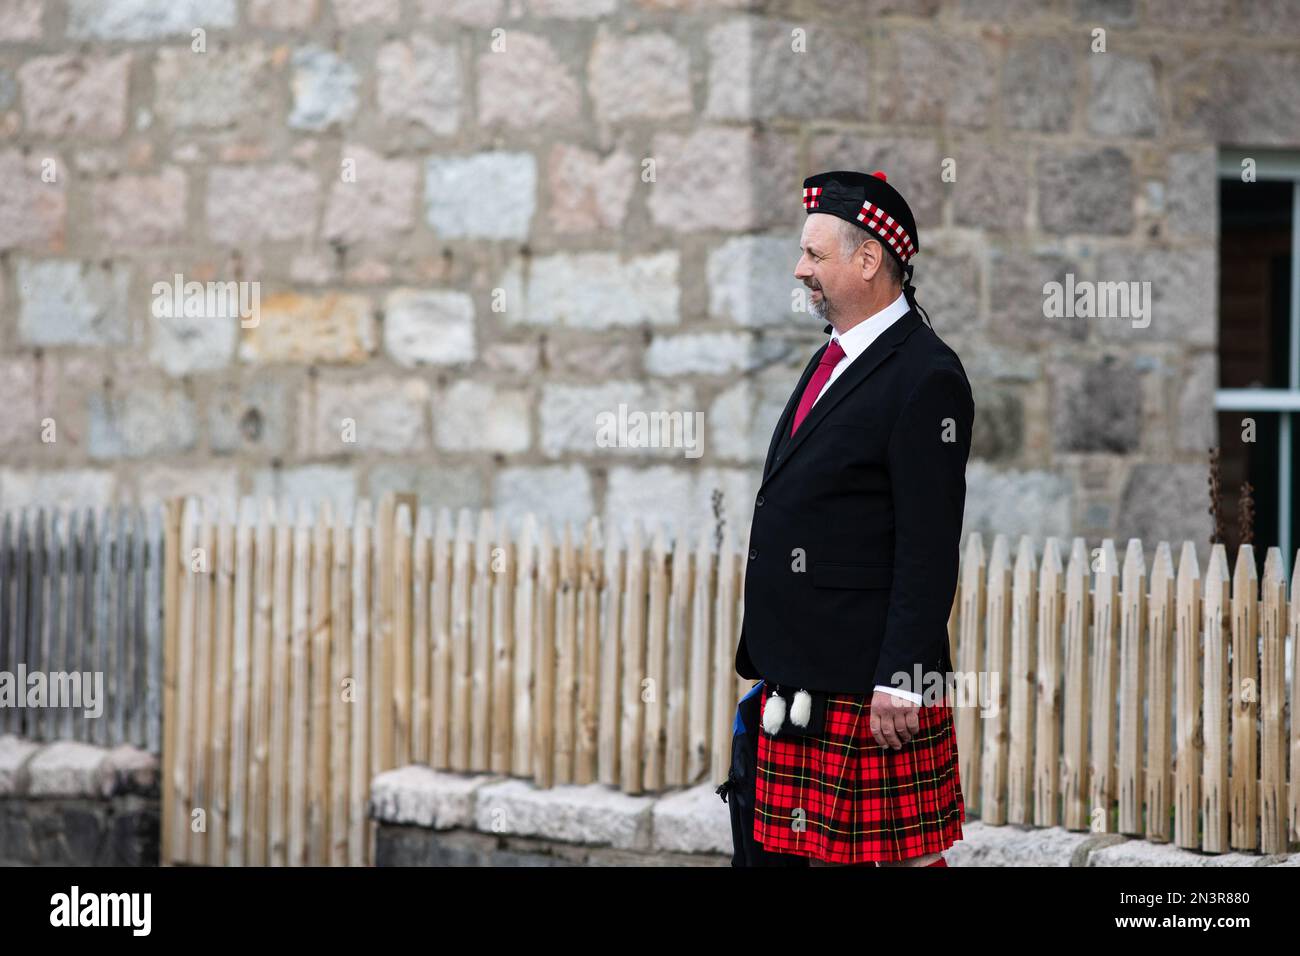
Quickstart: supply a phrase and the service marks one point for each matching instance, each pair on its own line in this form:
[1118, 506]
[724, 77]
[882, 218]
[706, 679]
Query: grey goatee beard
[819, 308]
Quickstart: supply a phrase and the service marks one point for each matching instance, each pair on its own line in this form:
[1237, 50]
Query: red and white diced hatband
[888, 229]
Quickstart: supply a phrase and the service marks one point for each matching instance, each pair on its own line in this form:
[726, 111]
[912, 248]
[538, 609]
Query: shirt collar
[855, 341]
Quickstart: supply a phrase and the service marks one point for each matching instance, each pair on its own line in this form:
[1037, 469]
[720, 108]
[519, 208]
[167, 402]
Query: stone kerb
[688, 824]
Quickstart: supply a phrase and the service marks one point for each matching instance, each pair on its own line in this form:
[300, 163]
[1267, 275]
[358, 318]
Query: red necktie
[830, 358]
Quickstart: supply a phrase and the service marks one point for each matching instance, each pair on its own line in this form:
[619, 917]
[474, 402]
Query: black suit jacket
[853, 559]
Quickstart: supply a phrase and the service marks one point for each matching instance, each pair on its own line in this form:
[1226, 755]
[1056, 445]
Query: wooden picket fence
[1146, 704]
[308, 651]
[81, 593]
[593, 660]
[279, 655]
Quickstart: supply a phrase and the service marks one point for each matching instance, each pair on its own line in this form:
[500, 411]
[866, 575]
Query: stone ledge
[572, 813]
[516, 818]
[425, 797]
[1142, 853]
[67, 768]
[418, 846]
[15, 755]
[133, 771]
[1014, 845]
[692, 821]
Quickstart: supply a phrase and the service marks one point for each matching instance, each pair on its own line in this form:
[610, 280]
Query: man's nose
[801, 270]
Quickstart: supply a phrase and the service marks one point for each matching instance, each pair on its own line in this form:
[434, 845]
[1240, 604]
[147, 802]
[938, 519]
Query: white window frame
[1278, 166]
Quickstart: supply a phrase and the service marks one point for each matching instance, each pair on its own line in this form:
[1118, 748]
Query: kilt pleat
[840, 797]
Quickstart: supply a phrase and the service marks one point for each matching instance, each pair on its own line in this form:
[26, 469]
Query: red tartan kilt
[842, 798]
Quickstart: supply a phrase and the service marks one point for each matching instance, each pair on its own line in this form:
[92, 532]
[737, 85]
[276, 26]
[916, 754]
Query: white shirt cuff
[905, 694]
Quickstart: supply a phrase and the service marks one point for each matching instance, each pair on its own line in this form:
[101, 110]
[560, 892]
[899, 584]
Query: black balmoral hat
[868, 201]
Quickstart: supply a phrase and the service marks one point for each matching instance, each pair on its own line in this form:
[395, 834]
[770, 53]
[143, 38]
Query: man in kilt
[853, 559]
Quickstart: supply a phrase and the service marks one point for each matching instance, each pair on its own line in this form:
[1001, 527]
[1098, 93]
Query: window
[1259, 346]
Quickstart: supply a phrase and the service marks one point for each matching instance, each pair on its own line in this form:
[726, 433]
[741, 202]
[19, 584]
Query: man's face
[823, 267]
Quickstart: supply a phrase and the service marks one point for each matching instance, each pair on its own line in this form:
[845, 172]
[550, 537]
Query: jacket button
[753, 553]
[760, 501]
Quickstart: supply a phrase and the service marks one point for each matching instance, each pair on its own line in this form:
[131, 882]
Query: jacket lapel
[849, 379]
[787, 416]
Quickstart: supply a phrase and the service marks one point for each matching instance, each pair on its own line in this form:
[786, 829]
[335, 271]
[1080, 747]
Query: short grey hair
[852, 236]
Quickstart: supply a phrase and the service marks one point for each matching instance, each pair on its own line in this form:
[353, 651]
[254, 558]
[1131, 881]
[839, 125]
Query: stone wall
[73, 804]
[435, 818]
[476, 223]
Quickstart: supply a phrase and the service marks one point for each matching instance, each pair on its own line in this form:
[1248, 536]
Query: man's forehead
[816, 230]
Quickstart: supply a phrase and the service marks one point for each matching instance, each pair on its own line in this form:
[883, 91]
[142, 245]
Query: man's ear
[873, 257]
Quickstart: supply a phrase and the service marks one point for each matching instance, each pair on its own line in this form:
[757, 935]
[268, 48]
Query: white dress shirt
[854, 342]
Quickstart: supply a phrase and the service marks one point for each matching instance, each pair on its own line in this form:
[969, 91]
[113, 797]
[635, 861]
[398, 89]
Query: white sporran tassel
[773, 713]
[801, 709]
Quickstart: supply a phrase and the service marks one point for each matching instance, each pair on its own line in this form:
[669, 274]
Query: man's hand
[894, 721]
